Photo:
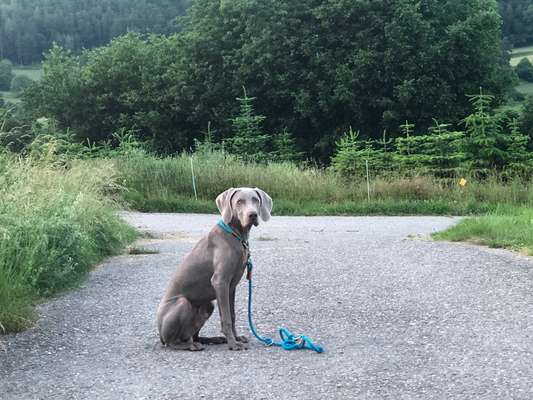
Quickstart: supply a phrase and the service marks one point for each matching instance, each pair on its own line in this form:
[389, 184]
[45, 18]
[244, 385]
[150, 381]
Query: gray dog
[212, 271]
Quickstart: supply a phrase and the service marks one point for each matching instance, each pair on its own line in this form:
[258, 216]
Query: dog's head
[244, 204]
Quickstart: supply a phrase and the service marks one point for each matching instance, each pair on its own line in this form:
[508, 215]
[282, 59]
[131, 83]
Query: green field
[34, 72]
[521, 52]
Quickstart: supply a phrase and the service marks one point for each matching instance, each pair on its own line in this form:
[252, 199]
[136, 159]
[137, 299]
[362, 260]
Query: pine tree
[248, 141]
[494, 145]
[519, 161]
[483, 137]
[285, 148]
[352, 154]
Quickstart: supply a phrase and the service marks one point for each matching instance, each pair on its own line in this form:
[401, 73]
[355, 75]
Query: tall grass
[165, 184]
[55, 223]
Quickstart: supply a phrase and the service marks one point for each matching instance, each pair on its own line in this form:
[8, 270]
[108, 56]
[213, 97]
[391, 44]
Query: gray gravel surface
[400, 316]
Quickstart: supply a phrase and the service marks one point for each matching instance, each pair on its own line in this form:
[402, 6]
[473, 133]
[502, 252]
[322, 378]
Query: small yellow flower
[462, 182]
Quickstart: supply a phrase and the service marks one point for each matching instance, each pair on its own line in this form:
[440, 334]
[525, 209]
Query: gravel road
[400, 316]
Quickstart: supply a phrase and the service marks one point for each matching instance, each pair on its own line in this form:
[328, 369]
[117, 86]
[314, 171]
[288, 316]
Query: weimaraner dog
[212, 271]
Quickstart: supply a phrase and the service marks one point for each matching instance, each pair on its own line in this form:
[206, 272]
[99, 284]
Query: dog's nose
[252, 215]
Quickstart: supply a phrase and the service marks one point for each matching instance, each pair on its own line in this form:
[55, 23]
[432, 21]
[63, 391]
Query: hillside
[517, 18]
[29, 27]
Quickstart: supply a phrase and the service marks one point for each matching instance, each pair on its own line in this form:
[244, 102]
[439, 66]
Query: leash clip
[249, 268]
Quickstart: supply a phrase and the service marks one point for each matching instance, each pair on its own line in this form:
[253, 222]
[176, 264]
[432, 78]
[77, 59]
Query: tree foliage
[125, 85]
[6, 74]
[319, 67]
[524, 70]
[315, 68]
[285, 148]
[526, 120]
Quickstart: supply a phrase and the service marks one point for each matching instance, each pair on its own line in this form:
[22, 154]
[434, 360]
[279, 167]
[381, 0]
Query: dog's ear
[224, 204]
[266, 204]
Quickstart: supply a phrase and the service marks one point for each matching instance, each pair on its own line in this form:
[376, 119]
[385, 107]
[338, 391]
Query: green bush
[20, 82]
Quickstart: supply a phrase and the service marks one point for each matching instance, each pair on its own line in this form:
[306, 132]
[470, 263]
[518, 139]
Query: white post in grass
[193, 182]
[367, 180]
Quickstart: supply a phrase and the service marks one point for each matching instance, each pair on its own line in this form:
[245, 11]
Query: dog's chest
[241, 266]
[244, 260]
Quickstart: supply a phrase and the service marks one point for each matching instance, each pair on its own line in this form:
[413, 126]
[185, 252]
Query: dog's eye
[240, 201]
[255, 200]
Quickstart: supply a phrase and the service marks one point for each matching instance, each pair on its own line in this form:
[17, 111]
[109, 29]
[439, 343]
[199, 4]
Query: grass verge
[506, 227]
[55, 224]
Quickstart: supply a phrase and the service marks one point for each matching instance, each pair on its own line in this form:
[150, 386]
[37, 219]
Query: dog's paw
[196, 347]
[237, 346]
[192, 346]
[242, 339]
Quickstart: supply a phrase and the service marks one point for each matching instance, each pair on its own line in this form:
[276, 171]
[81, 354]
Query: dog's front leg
[222, 291]
[242, 339]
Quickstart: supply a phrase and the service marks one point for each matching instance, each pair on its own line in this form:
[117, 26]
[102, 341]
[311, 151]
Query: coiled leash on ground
[289, 341]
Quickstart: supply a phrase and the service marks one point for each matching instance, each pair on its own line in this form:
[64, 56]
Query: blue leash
[289, 341]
